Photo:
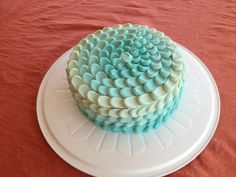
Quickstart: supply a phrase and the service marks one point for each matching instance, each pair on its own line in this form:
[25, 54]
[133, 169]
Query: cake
[126, 78]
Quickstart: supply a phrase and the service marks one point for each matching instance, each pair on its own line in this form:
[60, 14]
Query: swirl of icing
[125, 71]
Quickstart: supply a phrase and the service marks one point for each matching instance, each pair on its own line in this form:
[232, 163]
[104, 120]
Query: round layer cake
[126, 78]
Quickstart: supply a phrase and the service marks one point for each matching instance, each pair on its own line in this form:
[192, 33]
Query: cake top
[125, 67]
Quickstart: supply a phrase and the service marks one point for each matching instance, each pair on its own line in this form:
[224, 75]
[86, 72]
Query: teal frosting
[131, 125]
[126, 78]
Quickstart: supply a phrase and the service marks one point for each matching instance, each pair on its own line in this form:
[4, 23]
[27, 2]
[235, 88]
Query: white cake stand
[106, 154]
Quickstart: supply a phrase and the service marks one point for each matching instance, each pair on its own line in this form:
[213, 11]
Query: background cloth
[33, 34]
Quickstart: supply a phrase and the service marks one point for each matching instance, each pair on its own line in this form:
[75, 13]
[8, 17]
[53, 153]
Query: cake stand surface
[106, 154]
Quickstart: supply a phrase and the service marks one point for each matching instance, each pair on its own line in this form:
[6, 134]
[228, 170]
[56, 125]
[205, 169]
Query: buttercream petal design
[126, 78]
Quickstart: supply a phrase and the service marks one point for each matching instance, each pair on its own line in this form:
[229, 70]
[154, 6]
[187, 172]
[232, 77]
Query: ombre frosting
[126, 78]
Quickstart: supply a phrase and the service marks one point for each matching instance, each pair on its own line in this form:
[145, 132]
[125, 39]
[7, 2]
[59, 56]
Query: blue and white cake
[126, 78]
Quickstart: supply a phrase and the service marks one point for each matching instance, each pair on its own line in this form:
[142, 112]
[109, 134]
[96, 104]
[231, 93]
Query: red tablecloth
[33, 34]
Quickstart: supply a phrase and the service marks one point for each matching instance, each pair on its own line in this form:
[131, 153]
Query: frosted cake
[126, 78]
